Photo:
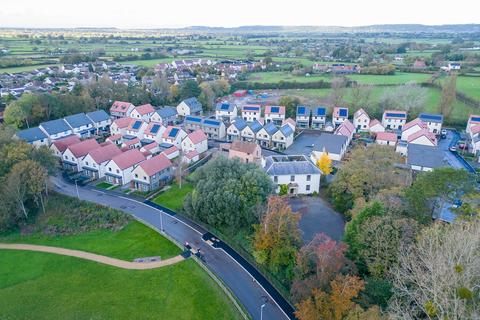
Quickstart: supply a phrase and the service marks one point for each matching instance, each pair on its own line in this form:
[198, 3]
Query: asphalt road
[240, 282]
[444, 145]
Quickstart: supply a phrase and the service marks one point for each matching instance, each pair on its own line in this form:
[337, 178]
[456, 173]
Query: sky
[217, 13]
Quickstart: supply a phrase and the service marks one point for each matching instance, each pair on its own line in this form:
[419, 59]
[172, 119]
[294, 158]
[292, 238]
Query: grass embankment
[37, 285]
[174, 196]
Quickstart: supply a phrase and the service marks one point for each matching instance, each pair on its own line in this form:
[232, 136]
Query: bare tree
[449, 91]
[409, 97]
[439, 276]
[337, 96]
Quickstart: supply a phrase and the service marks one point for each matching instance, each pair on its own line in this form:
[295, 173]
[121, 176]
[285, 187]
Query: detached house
[174, 136]
[81, 125]
[346, 129]
[190, 157]
[119, 170]
[101, 121]
[339, 116]
[59, 146]
[93, 163]
[275, 114]
[235, 128]
[433, 121]
[423, 137]
[394, 119]
[249, 133]
[56, 129]
[303, 117]
[251, 112]
[319, 117]
[298, 173]
[361, 120]
[154, 132]
[192, 123]
[166, 116]
[197, 141]
[247, 152]
[152, 174]
[225, 111]
[171, 152]
[214, 129]
[283, 138]
[424, 158]
[474, 140]
[34, 136]
[121, 109]
[143, 112]
[189, 107]
[73, 155]
[265, 134]
[333, 145]
[376, 126]
[120, 125]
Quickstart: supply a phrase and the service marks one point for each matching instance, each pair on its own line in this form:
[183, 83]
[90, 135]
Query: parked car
[443, 134]
[453, 148]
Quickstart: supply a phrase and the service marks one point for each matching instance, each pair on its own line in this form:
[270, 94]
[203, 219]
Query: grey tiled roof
[286, 130]
[98, 116]
[167, 112]
[271, 128]
[239, 123]
[78, 120]
[32, 134]
[255, 126]
[289, 165]
[193, 104]
[425, 156]
[55, 126]
[332, 143]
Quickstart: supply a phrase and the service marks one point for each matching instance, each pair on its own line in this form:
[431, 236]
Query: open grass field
[469, 86]
[26, 68]
[173, 197]
[37, 285]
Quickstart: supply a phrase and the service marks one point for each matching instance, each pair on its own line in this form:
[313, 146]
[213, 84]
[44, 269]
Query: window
[136, 175]
[118, 171]
[86, 163]
[275, 179]
[292, 178]
[309, 177]
[109, 169]
[144, 178]
[307, 187]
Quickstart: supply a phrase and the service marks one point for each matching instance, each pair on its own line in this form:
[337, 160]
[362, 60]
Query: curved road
[241, 283]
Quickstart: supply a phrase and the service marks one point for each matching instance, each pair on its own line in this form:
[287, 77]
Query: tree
[409, 97]
[207, 97]
[325, 163]
[337, 95]
[290, 104]
[372, 313]
[278, 238]
[335, 304]
[449, 92]
[189, 89]
[368, 171]
[438, 277]
[318, 263]
[233, 203]
[431, 190]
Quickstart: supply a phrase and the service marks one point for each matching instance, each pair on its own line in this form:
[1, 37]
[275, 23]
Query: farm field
[36, 285]
[469, 86]
[25, 68]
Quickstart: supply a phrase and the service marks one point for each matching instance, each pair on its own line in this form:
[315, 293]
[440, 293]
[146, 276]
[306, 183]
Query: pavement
[249, 290]
[93, 257]
[444, 145]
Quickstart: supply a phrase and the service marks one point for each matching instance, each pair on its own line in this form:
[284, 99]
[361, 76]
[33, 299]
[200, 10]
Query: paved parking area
[318, 217]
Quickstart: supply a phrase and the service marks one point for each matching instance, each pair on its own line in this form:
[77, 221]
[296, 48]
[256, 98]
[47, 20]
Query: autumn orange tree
[334, 304]
[277, 239]
[325, 163]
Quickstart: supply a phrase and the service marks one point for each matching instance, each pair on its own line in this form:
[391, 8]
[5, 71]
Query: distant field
[470, 86]
[26, 68]
[277, 76]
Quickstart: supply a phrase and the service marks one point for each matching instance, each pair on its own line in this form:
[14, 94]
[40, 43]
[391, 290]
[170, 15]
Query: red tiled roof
[359, 112]
[424, 132]
[120, 106]
[131, 142]
[115, 137]
[123, 122]
[245, 147]
[150, 126]
[155, 164]
[191, 154]
[130, 126]
[150, 146]
[197, 136]
[475, 129]
[105, 153]
[336, 111]
[473, 116]
[387, 136]
[416, 121]
[289, 121]
[281, 109]
[63, 143]
[82, 148]
[167, 132]
[374, 122]
[145, 108]
[128, 158]
[170, 150]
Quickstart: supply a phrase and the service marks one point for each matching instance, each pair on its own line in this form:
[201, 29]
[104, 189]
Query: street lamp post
[161, 220]
[261, 311]
[76, 187]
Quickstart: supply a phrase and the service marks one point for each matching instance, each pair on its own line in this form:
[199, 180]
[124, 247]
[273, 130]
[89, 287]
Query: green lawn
[173, 197]
[25, 68]
[469, 86]
[37, 285]
[104, 185]
[397, 78]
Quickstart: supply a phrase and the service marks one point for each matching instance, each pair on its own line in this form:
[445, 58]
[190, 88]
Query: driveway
[236, 278]
[318, 217]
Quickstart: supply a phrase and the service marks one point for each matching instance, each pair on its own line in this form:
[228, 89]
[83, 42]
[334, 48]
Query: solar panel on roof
[301, 110]
[173, 132]
[193, 119]
[225, 106]
[396, 115]
[250, 108]
[476, 119]
[436, 117]
[155, 128]
[321, 111]
[343, 112]
[274, 109]
[137, 125]
[211, 122]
